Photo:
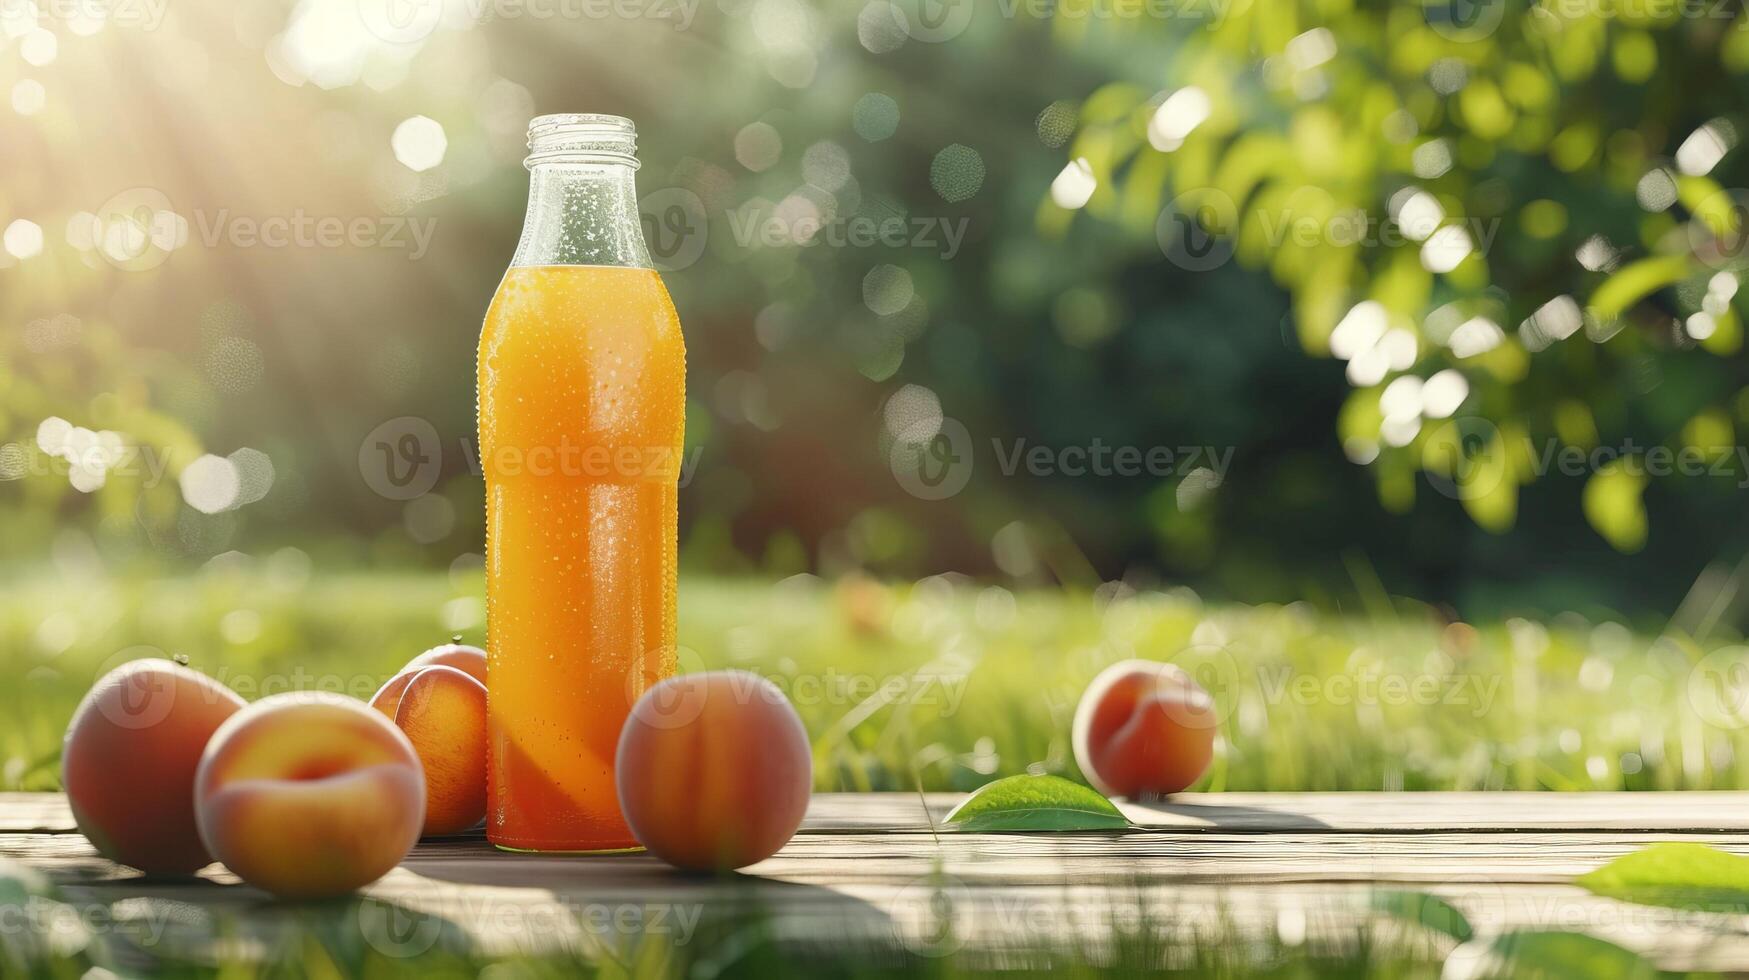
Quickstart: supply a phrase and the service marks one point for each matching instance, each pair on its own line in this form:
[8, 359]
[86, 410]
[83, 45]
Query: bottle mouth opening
[582, 138]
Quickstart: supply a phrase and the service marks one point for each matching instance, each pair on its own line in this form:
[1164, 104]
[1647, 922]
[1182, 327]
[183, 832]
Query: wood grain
[1236, 812]
[874, 873]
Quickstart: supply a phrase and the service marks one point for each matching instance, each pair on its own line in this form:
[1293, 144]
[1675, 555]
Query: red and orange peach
[714, 770]
[129, 762]
[467, 659]
[442, 711]
[1144, 729]
[309, 794]
[439, 700]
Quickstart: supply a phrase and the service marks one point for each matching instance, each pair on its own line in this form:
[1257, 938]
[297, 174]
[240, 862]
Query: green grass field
[946, 684]
[943, 684]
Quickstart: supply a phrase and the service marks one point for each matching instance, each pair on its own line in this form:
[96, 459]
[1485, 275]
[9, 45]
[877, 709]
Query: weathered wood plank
[869, 873]
[1233, 812]
[997, 859]
[35, 813]
[1003, 891]
[591, 905]
[1346, 812]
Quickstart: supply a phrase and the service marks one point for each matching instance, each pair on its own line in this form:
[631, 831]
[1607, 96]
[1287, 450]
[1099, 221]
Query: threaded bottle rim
[582, 137]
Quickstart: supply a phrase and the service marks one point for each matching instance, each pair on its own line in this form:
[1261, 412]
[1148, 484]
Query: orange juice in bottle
[582, 375]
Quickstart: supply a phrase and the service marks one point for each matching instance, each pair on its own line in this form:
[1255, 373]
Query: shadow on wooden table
[175, 925]
[455, 901]
[619, 906]
[413, 924]
[1171, 814]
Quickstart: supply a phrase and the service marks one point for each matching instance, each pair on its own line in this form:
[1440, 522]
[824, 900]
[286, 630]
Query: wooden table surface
[876, 872]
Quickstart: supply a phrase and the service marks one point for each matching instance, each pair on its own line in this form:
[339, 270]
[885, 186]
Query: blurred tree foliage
[1524, 199]
[1540, 198]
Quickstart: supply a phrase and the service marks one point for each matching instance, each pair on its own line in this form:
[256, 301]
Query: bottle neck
[582, 214]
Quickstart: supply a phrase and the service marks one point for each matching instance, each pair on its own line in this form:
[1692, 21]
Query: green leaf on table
[1428, 910]
[1028, 803]
[1559, 954]
[1675, 875]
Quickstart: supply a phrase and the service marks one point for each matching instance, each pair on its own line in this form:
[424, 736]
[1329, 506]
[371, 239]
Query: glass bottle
[582, 374]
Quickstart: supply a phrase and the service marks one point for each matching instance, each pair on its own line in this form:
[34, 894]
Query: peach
[714, 770]
[129, 761]
[1144, 728]
[469, 660]
[309, 794]
[443, 713]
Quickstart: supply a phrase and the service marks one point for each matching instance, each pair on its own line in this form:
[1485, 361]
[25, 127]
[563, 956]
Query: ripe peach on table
[1144, 729]
[469, 660]
[129, 761]
[442, 711]
[714, 770]
[309, 794]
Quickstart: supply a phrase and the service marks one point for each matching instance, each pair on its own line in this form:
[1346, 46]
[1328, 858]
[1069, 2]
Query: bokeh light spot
[23, 239]
[1178, 116]
[826, 165]
[234, 365]
[1705, 147]
[1445, 249]
[1444, 393]
[875, 117]
[28, 97]
[881, 27]
[1057, 123]
[38, 48]
[1431, 159]
[913, 412]
[1477, 335]
[1656, 191]
[957, 173]
[887, 289]
[51, 434]
[758, 146]
[255, 474]
[1074, 186]
[419, 143]
[211, 484]
[1415, 211]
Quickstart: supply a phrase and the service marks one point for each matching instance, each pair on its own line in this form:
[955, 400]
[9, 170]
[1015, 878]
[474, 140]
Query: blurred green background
[1397, 316]
[1293, 208]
